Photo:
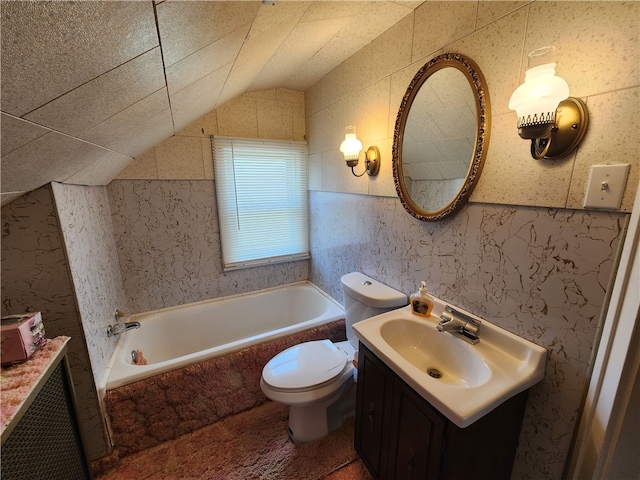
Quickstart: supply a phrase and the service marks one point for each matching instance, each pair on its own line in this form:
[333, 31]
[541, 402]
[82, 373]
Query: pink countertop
[20, 383]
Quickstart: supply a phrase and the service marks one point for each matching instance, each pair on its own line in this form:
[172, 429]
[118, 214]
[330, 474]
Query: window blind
[261, 195]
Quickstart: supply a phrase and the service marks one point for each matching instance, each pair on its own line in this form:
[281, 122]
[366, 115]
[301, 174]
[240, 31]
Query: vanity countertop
[21, 383]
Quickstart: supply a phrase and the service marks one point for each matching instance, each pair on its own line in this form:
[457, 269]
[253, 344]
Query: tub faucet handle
[118, 314]
[119, 328]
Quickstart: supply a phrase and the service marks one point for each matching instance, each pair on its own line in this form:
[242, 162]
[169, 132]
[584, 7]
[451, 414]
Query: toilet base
[316, 420]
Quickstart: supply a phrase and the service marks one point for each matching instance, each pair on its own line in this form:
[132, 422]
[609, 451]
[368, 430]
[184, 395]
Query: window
[261, 193]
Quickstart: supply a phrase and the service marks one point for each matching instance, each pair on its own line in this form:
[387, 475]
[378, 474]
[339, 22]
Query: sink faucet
[459, 324]
[119, 328]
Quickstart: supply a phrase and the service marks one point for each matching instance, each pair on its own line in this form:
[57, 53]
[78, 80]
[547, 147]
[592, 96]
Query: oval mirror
[441, 137]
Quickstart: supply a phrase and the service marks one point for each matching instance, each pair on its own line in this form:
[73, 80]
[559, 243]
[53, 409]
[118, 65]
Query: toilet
[316, 379]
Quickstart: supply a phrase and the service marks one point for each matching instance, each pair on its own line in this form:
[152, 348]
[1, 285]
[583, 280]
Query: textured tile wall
[277, 114]
[597, 53]
[93, 262]
[169, 246]
[539, 273]
[164, 212]
[35, 277]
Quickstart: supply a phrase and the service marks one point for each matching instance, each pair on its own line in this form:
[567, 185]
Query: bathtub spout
[121, 328]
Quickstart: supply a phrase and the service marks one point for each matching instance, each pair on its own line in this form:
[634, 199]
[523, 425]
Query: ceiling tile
[65, 44]
[302, 43]
[17, 132]
[186, 27]
[131, 131]
[51, 157]
[198, 99]
[102, 171]
[206, 60]
[269, 30]
[104, 96]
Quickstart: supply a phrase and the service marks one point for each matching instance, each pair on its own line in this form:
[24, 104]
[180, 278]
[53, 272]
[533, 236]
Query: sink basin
[442, 356]
[463, 381]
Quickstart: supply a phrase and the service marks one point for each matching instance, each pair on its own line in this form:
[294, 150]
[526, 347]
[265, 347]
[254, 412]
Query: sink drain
[434, 372]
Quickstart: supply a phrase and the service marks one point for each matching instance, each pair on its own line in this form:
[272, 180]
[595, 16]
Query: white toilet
[316, 378]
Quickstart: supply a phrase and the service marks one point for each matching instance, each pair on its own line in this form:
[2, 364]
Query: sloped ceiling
[88, 85]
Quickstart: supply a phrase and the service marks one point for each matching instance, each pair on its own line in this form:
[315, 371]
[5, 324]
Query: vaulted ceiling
[88, 85]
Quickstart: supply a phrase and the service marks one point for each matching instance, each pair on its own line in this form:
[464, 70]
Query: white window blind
[261, 193]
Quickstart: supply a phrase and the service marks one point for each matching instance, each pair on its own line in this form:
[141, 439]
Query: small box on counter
[21, 336]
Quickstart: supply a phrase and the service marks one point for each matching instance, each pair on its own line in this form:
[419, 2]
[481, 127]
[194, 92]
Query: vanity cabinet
[399, 435]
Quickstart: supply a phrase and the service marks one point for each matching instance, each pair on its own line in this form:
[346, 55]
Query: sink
[463, 381]
[442, 356]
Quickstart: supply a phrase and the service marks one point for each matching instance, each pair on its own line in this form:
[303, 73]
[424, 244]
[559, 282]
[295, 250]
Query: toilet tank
[364, 297]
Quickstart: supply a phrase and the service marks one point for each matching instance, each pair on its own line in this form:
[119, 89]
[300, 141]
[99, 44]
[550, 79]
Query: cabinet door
[417, 436]
[372, 411]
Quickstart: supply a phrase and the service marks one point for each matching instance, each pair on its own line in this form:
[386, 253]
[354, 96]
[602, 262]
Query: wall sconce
[554, 122]
[351, 147]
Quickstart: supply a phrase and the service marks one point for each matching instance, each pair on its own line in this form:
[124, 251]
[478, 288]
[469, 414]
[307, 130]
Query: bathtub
[173, 337]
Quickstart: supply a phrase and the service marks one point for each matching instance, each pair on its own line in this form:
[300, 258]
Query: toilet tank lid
[371, 292]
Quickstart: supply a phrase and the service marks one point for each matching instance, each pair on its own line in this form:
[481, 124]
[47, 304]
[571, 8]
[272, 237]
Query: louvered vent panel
[46, 444]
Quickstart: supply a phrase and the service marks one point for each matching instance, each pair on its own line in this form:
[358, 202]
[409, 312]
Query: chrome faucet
[460, 325]
[119, 328]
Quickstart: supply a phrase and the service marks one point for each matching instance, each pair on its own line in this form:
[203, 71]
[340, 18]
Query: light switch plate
[606, 186]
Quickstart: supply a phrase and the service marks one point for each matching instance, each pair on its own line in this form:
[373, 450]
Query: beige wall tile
[440, 23]
[500, 66]
[598, 49]
[203, 127]
[597, 43]
[207, 158]
[613, 137]
[143, 166]
[180, 158]
[510, 176]
[239, 118]
[275, 120]
[288, 95]
[315, 171]
[299, 125]
[491, 11]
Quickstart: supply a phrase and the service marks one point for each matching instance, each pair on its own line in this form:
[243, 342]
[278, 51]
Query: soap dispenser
[421, 302]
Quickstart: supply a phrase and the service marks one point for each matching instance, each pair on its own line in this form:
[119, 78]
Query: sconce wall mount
[554, 122]
[563, 136]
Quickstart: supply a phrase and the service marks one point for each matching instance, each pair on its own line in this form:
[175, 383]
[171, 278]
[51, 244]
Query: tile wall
[539, 273]
[164, 213]
[36, 277]
[523, 254]
[597, 53]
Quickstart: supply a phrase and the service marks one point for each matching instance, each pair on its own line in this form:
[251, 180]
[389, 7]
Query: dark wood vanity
[399, 435]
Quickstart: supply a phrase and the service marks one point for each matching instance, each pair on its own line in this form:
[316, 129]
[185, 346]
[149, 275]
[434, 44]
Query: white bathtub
[177, 336]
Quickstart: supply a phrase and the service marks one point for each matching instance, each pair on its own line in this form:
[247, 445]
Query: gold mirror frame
[483, 125]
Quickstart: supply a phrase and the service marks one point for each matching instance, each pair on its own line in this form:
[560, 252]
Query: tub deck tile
[160, 408]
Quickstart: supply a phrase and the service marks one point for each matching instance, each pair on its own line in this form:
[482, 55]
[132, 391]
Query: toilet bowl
[316, 379]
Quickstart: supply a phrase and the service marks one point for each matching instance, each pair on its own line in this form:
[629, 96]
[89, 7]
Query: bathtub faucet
[119, 328]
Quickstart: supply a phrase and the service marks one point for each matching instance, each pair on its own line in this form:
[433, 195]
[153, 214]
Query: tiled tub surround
[36, 277]
[168, 242]
[539, 273]
[163, 407]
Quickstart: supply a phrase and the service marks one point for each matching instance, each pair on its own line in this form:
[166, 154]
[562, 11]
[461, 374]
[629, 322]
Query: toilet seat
[304, 367]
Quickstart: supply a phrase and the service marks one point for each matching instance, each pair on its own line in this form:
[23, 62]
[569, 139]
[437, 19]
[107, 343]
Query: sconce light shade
[554, 122]
[351, 147]
[536, 100]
